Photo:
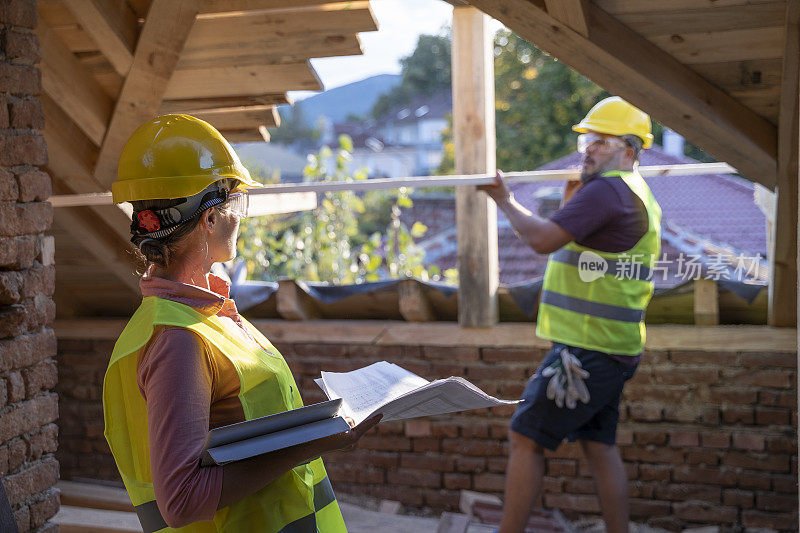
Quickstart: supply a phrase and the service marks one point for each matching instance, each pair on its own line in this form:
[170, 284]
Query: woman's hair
[160, 251]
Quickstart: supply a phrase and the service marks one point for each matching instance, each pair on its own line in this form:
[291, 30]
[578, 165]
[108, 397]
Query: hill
[355, 98]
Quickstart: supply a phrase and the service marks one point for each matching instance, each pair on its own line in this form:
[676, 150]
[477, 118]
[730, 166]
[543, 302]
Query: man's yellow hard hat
[615, 116]
[175, 156]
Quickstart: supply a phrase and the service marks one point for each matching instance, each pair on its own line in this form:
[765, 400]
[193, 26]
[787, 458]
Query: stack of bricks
[708, 438]
[28, 406]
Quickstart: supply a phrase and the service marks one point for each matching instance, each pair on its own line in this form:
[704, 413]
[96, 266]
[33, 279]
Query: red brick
[702, 457]
[30, 481]
[684, 438]
[16, 387]
[742, 499]
[10, 287]
[22, 80]
[580, 485]
[441, 370]
[769, 359]
[40, 377]
[451, 353]
[45, 509]
[777, 399]
[682, 375]
[415, 478]
[475, 432]
[649, 508]
[483, 448]
[573, 502]
[758, 519]
[703, 358]
[650, 437]
[507, 355]
[778, 379]
[45, 441]
[736, 414]
[726, 477]
[645, 392]
[772, 416]
[497, 464]
[34, 186]
[487, 482]
[645, 412]
[430, 461]
[705, 512]
[23, 148]
[418, 428]
[748, 441]
[25, 219]
[444, 429]
[16, 454]
[480, 372]
[320, 350]
[757, 461]
[624, 436]
[754, 481]
[715, 440]
[769, 501]
[426, 444]
[472, 464]
[561, 467]
[685, 492]
[786, 484]
[19, 13]
[9, 192]
[457, 481]
[654, 472]
[28, 415]
[22, 48]
[22, 516]
[732, 395]
[692, 412]
[375, 352]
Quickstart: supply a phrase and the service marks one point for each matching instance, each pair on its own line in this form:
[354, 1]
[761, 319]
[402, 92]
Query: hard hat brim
[168, 187]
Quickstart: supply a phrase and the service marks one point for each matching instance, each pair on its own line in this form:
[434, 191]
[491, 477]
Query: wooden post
[474, 137]
[414, 304]
[706, 302]
[783, 262]
[294, 303]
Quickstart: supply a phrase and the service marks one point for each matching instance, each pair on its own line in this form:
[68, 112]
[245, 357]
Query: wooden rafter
[68, 82]
[161, 40]
[112, 25]
[627, 64]
[241, 118]
[570, 12]
[194, 105]
[783, 260]
[227, 6]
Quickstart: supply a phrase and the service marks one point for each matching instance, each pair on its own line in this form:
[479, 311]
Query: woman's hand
[350, 438]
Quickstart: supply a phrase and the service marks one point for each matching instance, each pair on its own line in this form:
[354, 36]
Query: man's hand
[498, 191]
[348, 440]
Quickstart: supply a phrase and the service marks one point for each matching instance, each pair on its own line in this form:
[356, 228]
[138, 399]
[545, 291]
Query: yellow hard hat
[175, 156]
[615, 116]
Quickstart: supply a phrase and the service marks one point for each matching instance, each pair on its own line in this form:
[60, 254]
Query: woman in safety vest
[187, 362]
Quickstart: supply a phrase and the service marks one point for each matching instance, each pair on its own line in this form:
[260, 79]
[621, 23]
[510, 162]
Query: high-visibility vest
[597, 300]
[299, 501]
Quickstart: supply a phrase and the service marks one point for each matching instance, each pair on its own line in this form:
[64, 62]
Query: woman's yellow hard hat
[175, 156]
[615, 116]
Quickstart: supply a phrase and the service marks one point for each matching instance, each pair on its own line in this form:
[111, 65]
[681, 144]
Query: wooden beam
[705, 19]
[80, 520]
[94, 496]
[782, 306]
[474, 137]
[279, 50]
[194, 105]
[706, 302]
[161, 40]
[241, 118]
[112, 25]
[570, 12]
[70, 84]
[228, 6]
[235, 80]
[627, 64]
[253, 135]
[294, 303]
[414, 304]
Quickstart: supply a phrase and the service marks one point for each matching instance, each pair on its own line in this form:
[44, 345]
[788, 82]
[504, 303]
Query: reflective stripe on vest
[266, 387]
[152, 521]
[598, 302]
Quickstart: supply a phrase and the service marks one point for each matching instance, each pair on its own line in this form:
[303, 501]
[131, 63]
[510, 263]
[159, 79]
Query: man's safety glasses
[602, 144]
[238, 204]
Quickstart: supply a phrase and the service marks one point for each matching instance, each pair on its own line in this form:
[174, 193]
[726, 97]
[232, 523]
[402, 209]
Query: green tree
[424, 72]
[338, 241]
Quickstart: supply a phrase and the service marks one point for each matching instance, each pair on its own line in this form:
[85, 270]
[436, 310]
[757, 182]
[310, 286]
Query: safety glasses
[238, 204]
[599, 143]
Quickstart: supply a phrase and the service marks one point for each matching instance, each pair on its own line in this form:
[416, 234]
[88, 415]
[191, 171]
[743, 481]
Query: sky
[400, 22]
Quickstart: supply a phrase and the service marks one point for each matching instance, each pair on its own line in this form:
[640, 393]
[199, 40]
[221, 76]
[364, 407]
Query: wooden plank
[68, 82]
[112, 25]
[257, 26]
[76, 39]
[103, 72]
[626, 64]
[414, 304]
[294, 303]
[227, 6]
[740, 77]
[710, 19]
[706, 302]
[194, 105]
[235, 80]
[241, 118]
[704, 47]
[78, 520]
[254, 135]
[570, 12]
[161, 40]
[474, 138]
[782, 306]
[55, 13]
[94, 496]
[645, 6]
[291, 49]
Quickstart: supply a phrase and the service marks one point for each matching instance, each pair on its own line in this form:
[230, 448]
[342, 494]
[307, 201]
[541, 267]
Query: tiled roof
[718, 208]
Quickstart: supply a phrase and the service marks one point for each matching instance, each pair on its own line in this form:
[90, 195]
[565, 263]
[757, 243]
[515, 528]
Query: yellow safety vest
[300, 501]
[597, 300]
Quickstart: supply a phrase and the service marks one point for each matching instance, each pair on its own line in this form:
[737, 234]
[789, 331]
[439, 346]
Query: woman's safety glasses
[238, 204]
[602, 144]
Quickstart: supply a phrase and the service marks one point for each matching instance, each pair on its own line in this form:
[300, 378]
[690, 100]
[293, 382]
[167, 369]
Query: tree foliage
[424, 72]
[348, 238]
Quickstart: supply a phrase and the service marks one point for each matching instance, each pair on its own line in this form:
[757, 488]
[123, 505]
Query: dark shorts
[541, 420]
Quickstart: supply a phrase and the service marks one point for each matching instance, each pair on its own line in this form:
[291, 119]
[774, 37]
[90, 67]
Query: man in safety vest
[603, 242]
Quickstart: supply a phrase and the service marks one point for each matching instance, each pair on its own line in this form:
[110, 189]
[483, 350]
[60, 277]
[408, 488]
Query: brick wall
[28, 406]
[707, 437]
